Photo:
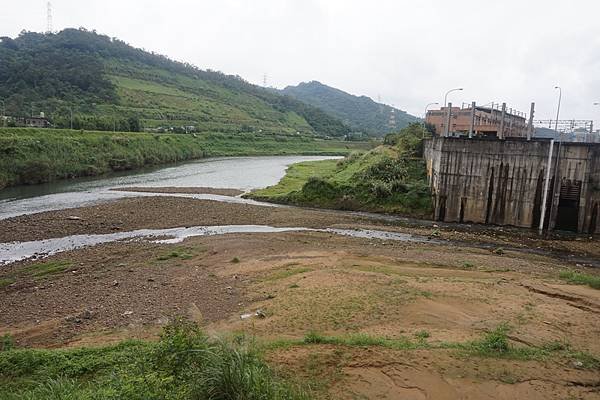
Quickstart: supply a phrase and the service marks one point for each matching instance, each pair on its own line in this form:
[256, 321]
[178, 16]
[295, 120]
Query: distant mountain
[108, 84]
[361, 113]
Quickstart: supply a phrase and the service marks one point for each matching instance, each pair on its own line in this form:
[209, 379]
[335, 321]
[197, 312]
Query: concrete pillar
[530, 126]
[501, 131]
[448, 117]
[472, 120]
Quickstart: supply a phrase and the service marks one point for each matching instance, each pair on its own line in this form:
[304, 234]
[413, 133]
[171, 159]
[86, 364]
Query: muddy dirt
[313, 282]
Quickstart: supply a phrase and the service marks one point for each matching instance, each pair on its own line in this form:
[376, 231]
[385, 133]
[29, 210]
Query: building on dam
[485, 165]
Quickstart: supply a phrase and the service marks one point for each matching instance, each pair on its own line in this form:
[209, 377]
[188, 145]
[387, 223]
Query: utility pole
[556, 165]
[545, 197]
[472, 125]
[501, 131]
[425, 117]
[530, 126]
[71, 110]
[448, 120]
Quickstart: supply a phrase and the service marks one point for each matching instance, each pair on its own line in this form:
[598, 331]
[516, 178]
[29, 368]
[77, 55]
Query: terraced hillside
[109, 85]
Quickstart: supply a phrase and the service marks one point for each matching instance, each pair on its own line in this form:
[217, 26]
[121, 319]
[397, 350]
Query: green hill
[360, 113]
[109, 85]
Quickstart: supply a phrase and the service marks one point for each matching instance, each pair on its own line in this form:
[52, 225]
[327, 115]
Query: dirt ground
[304, 282]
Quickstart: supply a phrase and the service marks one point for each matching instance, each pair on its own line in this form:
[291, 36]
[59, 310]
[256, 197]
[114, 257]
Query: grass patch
[44, 269]
[178, 253]
[184, 364]
[4, 282]
[286, 273]
[578, 278]
[493, 344]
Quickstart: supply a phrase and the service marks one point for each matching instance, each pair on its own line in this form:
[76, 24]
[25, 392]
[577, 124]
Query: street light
[556, 165]
[425, 116]
[447, 93]
[558, 108]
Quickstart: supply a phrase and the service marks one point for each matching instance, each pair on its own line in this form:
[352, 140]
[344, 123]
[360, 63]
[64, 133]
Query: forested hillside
[360, 113]
[107, 84]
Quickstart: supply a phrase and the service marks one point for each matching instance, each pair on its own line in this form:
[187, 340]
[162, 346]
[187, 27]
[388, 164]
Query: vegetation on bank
[183, 364]
[187, 364]
[29, 156]
[389, 178]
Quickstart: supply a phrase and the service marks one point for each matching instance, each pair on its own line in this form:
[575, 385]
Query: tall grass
[184, 364]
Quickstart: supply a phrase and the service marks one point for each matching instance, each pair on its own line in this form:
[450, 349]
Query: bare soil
[313, 282]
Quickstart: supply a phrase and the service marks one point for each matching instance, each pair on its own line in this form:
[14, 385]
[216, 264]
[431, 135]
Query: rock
[127, 313]
[577, 364]
[115, 283]
[73, 218]
[151, 279]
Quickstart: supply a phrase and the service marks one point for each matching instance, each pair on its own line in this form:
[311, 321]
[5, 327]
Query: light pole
[558, 108]
[447, 93]
[425, 116]
[556, 165]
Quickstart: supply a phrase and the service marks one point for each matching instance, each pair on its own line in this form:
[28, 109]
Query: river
[243, 173]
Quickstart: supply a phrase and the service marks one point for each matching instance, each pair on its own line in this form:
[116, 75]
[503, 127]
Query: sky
[407, 53]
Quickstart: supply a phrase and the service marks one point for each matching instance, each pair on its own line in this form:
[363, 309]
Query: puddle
[17, 251]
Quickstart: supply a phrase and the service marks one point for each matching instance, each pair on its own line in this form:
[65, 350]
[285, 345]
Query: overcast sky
[407, 52]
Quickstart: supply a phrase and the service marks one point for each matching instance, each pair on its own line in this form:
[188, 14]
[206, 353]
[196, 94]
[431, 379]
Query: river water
[243, 173]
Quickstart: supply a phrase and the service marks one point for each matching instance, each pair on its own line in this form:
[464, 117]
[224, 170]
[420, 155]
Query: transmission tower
[265, 80]
[392, 121]
[49, 18]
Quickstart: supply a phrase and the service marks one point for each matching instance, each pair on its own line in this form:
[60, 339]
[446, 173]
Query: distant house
[37, 122]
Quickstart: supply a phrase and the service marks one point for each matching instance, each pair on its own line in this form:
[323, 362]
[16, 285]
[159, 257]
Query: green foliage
[180, 253]
[6, 342]
[579, 278]
[105, 84]
[42, 155]
[184, 364]
[388, 178]
[361, 113]
[43, 269]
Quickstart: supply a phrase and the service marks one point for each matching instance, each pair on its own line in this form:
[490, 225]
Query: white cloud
[409, 52]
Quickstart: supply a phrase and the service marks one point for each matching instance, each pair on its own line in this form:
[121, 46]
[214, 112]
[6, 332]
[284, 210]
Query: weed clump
[184, 364]
[578, 278]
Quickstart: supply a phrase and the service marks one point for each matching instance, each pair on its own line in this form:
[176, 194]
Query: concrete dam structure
[502, 181]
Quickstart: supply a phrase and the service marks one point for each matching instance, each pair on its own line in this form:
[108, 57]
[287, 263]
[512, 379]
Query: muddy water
[243, 173]
[17, 251]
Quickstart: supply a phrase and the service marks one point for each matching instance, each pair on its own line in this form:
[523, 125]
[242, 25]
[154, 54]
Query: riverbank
[340, 316]
[391, 178]
[29, 156]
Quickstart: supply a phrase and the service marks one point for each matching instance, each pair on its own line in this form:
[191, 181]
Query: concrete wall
[502, 182]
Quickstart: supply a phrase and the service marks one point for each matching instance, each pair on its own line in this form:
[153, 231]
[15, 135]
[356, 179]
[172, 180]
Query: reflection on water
[244, 173]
